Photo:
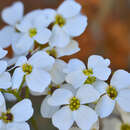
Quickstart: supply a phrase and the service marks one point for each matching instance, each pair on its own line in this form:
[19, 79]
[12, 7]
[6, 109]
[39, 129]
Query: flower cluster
[75, 93]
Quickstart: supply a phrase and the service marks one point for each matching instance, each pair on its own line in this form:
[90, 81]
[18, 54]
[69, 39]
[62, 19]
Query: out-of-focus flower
[97, 69]
[118, 91]
[16, 117]
[34, 70]
[74, 107]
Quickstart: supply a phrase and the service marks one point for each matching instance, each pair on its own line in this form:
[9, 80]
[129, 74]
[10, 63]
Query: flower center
[60, 20]
[52, 89]
[27, 68]
[125, 127]
[88, 72]
[32, 32]
[74, 104]
[90, 80]
[111, 92]
[7, 117]
[52, 52]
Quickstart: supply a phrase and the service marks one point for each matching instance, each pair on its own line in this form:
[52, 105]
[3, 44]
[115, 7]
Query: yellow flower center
[125, 127]
[27, 68]
[88, 72]
[52, 52]
[32, 32]
[7, 117]
[60, 20]
[90, 80]
[111, 92]
[74, 104]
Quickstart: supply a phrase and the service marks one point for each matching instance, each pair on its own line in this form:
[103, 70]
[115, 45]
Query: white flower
[31, 32]
[68, 50]
[74, 108]
[11, 15]
[67, 22]
[16, 117]
[3, 53]
[35, 71]
[117, 92]
[78, 74]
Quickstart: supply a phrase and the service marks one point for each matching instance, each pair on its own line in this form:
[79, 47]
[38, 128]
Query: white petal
[102, 73]
[45, 17]
[57, 74]
[18, 126]
[100, 86]
[75, 26]
[21, 60]
[2, 53]
[74, 65]
[105, 106]
[97, 61]
[85, 117]
[38, 80]
[3, 66]
[17, 78]
[5, 80]
[43, 36]
[63, 119]
[70, 49]
[6, 35]
[60, 96]
[2, 125]
[123, 99]
[69, 8]
[10, 97]
[59, 38]
[23, 45]
[87, 94]
[2, 101]
[13, 14]
[42, 60]
[22, 111]
[47, 110]
[76, 78]
[121, 79]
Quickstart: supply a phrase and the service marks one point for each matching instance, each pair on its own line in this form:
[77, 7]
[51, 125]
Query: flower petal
[69, 8]
[59, 38]
[17, 78]
[74, 65]
[63, 119]
[2, 53]
[47, 110]
[76, 78]
[121, 79]
[87, 94]
[38, 80]
[2, 102]
[70, 49]
[21, 60]
[43, 36]
[3, 66]
[57, 74]
[75, 26]
[5, 80]
[16, 9]
[123, 99]
[60, 96]
[42, 60]
[18, 126]
[105, 106]
[100, 86]
[22, 111]
[85, 117]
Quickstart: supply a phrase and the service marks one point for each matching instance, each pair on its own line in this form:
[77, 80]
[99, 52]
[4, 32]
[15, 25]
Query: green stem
[27, 92]
[34, 124]
[20, 88]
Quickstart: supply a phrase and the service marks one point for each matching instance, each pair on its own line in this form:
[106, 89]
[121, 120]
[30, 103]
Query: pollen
[32, 32]
[125, 127]
[112, 92]
[27, 68]
[7, 117]
[90, 80]
[74, 104]
[60, 20]
[88, 72]
[52, 52]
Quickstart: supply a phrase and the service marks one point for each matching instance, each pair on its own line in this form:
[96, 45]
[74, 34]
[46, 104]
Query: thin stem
[27, 92]
[34, 124]
[20, 88]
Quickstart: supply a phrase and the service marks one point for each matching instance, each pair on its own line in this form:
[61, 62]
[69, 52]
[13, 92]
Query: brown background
[108, 33]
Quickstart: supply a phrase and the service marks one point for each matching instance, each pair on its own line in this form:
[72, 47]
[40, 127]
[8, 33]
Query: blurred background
[108, 34]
